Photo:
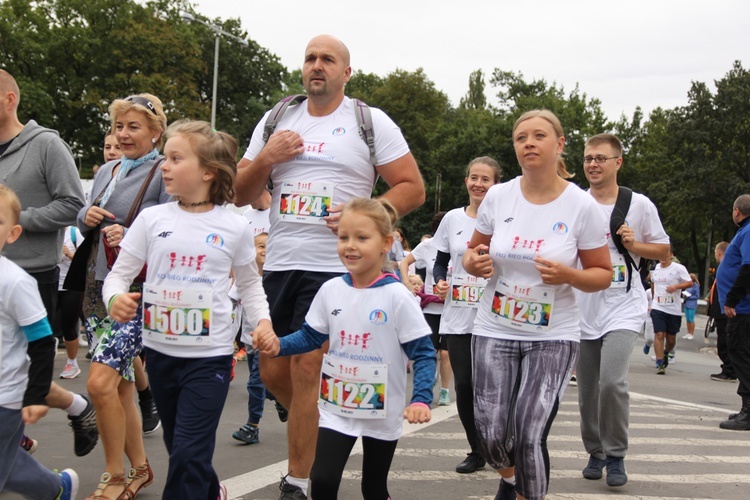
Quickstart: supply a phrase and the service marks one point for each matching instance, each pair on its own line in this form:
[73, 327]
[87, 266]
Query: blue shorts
[663, 322]
[689, 315]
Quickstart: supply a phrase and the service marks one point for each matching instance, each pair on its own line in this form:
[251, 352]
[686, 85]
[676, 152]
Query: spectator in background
[716, 312]
[691, 295]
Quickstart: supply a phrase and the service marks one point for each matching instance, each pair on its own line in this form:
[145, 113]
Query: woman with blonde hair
[531, 233]
[122, 188]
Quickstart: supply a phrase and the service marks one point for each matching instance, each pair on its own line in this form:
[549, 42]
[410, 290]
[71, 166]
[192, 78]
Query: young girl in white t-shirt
[190, 246]
[373, 325]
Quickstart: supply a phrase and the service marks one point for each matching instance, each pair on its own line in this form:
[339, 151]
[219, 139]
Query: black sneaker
[85, 433]
[283, 412]
[506, 491]
[248, 434]
[149, 416]
[290, 491]
[472, 463]
[665, 361]
[723, 377]
[594, 468]
[616, 475]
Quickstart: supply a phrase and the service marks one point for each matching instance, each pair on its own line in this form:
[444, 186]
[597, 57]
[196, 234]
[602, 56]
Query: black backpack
[616, 220]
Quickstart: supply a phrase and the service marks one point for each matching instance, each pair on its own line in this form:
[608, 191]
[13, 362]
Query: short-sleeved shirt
[615, 308]
[661, 278]
[368, 326]
[520, 231]
[424, 258]
[335, 161]
[20, 305]
[453, 236]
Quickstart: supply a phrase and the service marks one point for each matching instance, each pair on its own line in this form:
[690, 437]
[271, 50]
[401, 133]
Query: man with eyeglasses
[611, 319]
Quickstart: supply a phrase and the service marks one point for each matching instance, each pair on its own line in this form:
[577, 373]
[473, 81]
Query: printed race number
[305, 202]
[523, 307]
[177, 316]
[466, 290]
[175, 321]
[355, 391]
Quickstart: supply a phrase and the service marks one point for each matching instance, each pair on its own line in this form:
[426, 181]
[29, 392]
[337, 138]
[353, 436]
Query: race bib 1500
[177, 316]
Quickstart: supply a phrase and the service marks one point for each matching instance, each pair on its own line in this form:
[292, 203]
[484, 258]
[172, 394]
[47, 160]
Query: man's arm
[64, 187]
[406, 185]
[253, 175]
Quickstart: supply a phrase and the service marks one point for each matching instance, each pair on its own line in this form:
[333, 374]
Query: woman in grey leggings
[530, 234]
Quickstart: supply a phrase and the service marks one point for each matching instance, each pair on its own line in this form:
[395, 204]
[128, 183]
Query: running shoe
[248, 434]
[668, 356]
[241, 355]
[723, 377]
[282, 412]
[68, 485]
[661, 368]
[594, 468]
[616, 475]
[29, 444]
[506, 491]
[149, 416]
[85, 433]
[445, 397]
[70, 371]
[472, 463]
[290, 491]
[646, 349]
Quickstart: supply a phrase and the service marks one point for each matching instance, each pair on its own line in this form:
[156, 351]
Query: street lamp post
[218, 32]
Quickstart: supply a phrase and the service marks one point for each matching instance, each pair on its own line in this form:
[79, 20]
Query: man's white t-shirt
[453, 236]
[526, 308]
[334, 167]
[368, 326]
[615, 308]
[259, 220]
[662, 277]
[189, 252]
[20, 305]
[424, 258]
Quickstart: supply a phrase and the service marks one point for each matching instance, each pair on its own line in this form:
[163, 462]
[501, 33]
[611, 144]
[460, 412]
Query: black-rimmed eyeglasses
[598, 159]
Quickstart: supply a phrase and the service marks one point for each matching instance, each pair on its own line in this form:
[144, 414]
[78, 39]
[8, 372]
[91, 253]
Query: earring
[153, 140]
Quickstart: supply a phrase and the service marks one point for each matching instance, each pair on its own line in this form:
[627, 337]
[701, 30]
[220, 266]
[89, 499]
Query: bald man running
[316, 161]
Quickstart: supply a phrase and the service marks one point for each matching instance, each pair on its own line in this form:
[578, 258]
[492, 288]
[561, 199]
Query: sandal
[136, 474]
[106, 481]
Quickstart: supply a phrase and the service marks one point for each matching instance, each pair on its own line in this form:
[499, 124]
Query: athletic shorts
[664, 322]
[689, 315]
[439, 342]
[290, 294]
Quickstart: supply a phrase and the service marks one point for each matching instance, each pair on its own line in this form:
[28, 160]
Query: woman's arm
[595, 275]
[477, 260]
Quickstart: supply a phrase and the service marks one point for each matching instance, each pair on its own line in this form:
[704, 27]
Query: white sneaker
[82, 342]
[70, 371]
[688, 337]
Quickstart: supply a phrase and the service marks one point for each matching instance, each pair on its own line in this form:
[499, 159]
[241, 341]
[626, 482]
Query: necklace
[196, 204]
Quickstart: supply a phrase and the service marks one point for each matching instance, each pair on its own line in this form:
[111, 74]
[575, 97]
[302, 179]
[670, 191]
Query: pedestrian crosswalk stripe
[686, 441]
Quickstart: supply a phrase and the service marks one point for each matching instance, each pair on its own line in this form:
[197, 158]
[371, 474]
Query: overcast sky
[627, 53]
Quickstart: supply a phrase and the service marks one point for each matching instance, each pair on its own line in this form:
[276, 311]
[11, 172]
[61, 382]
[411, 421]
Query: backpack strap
[361, 110]
[364, 124]
[277, 113]
[616, 220]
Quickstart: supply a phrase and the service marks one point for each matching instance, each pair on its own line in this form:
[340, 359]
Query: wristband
[109, 305]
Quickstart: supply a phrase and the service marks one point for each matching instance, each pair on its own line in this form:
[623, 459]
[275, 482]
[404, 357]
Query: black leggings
[331, 454]
[68, 313]
[459, 352]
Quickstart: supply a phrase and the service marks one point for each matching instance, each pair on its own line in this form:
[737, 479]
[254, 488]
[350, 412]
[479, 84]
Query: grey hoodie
[39, 167]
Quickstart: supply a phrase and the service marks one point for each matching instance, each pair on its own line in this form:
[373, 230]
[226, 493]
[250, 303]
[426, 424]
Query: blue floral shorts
[119, 345]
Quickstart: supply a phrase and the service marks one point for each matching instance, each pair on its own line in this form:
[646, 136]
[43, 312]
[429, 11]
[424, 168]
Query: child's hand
[32, 414]
[124, 306]
[265, 340]
[417, 413]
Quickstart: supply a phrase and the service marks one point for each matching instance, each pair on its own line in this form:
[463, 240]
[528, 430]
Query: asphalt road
[676, 448]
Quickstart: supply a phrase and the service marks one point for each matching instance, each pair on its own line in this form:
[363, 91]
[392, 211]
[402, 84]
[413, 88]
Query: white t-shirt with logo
[334, 168]
[20, 305]
[193, 254]
[661, 278]
[524, 307]
[424, 257]
[368, 326]
[259, 220]
[615, 308]
[453, 236]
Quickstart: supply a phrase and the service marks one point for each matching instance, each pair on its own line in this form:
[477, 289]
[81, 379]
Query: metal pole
[216, 81]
